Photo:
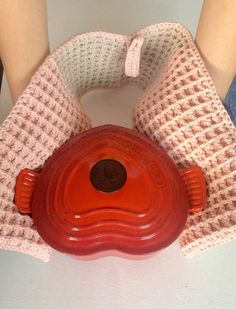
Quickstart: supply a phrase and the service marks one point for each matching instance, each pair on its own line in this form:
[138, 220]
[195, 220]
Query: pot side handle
[195, 185]
[25, 183]
[193, 178]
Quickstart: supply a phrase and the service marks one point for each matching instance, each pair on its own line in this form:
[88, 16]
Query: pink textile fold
[179, 109]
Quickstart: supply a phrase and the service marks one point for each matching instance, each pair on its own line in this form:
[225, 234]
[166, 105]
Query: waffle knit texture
[179, 109]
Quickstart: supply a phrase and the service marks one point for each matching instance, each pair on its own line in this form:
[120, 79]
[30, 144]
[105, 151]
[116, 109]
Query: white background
[167, 280]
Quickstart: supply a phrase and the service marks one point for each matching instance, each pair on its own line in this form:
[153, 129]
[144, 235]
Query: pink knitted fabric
[179, 109]
[183, 113]
[44, 118]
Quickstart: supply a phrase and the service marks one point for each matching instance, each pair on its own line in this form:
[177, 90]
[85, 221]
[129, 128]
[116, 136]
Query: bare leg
[216, 40]
[23, 41]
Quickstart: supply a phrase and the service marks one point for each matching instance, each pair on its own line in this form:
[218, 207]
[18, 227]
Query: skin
[24, 41]
[216, 41]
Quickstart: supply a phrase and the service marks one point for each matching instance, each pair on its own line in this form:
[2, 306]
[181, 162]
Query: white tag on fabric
[132, 61]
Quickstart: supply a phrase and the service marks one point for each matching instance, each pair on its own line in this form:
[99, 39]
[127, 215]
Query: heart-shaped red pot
[110, 188]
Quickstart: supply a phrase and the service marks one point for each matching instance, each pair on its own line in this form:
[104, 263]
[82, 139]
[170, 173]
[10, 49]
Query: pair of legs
[24, 41]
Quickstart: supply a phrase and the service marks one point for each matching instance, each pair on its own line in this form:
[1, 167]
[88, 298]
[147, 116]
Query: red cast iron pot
[110, 188]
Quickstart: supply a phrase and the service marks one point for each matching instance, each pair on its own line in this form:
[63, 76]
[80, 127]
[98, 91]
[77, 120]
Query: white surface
[165, 281]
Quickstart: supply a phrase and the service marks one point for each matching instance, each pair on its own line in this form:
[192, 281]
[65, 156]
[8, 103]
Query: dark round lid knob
[108, 175]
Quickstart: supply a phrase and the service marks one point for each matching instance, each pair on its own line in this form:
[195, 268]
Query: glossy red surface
[145, 214]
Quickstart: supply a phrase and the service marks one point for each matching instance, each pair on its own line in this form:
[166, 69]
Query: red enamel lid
[109, 188]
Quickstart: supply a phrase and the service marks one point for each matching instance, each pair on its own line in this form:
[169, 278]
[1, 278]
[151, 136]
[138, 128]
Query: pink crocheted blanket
[179, 109]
